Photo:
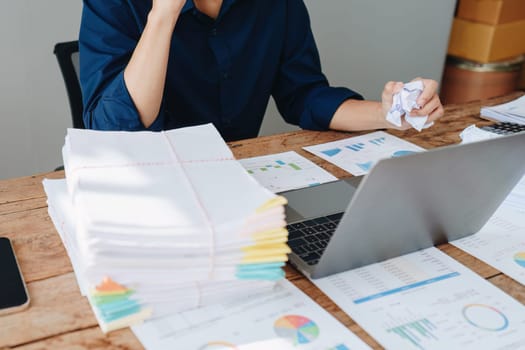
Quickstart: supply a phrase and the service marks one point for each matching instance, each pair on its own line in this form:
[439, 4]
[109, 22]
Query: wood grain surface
[60, 318]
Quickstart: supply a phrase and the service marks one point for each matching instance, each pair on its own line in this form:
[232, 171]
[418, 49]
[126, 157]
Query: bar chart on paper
[427, 300]
[357, 155]
[286, 171]
[414, 331]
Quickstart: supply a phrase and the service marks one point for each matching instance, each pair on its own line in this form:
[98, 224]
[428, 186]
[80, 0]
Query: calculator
[504, 128]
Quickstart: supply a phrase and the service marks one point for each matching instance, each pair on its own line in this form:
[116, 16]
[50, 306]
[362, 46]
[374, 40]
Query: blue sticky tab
[269, 275]
[123, 313]
[117, 305]
[254, 267]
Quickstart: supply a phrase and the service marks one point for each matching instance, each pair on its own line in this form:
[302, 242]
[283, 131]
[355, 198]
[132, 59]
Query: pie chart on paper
[402, 153]
[519, 258]
[298, 329]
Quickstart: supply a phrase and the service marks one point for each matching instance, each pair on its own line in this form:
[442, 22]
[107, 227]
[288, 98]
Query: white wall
[34, 111]
[363, 43]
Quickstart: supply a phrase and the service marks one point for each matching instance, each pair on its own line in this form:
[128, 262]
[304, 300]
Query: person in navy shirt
[164, 64]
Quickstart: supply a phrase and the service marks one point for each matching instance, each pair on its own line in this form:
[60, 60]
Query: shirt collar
[189, 5]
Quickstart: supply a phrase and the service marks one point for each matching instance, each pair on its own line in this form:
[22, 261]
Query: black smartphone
[13, 290]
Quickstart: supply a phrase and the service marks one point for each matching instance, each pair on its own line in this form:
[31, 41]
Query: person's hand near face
[145, 74]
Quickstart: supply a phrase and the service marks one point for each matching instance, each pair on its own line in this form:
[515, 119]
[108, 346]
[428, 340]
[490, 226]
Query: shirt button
[213, 32]
[225, 76]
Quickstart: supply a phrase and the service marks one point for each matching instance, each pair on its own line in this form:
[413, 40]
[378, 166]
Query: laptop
[402, 205]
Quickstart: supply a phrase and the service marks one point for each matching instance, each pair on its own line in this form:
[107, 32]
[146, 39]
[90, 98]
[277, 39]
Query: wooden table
[59, 317]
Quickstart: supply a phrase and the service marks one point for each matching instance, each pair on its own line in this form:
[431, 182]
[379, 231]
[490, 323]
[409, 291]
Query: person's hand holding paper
[417, 101]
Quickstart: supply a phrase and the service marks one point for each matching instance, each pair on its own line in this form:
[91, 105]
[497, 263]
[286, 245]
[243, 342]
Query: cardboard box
[486, 43]
[491, 11]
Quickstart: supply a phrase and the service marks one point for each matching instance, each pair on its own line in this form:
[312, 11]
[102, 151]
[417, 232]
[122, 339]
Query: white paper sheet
[472, 134]
[501, 242]
[286, 171]
[358, 154]
[283, 319]
[404, 102]
[427, 300]
[513, 111]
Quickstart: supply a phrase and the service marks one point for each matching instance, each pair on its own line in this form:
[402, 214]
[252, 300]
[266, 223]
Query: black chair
[68, 60]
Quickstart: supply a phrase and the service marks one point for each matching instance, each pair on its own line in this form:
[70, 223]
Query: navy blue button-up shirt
[221, 71]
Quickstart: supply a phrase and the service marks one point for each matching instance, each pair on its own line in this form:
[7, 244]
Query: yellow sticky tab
[265, 259]
[96, 293]
[266, 250]
[270, 234]
[272, 240]
[270, 246]
[274, 202]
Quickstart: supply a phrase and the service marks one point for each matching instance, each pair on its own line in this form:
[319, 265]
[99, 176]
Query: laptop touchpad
[318, 200]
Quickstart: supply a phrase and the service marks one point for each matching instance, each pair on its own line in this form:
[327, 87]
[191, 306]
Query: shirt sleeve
[109, 33]
[301, 91]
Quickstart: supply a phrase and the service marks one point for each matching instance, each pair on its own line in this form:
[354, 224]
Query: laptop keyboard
[308, 239]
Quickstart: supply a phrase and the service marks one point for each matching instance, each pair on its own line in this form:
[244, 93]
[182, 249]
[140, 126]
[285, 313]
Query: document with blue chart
[358, 154]
[427, 300]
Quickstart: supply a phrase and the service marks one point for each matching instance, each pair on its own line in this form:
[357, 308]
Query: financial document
[513, 111]
[501, 242]
[358, 154]
[283, 319]
[427, 300]
[286, 171]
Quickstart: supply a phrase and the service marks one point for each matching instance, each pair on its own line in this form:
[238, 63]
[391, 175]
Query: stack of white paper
[511, 112]
[169, 220]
